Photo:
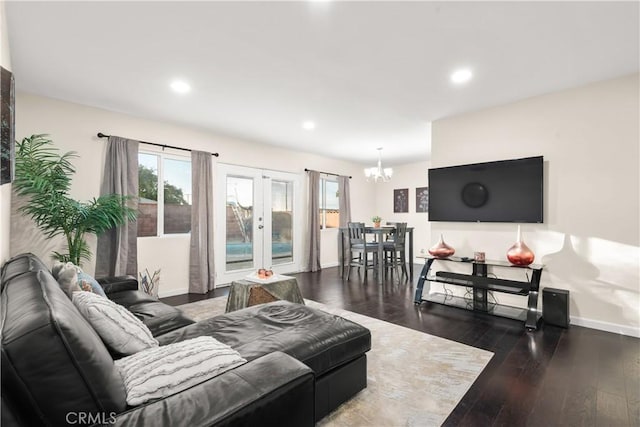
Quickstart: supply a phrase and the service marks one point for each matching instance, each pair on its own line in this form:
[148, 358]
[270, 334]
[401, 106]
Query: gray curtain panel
[117, 252]
[344, 204]
[201, 261]
[313, 263]
[344, 200]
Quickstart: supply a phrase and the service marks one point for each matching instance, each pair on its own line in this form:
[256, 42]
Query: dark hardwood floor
[550, 377]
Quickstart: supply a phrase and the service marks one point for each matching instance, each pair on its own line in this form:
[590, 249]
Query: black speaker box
[555, 307]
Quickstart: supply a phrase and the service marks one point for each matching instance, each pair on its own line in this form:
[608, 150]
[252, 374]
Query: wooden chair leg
[405, 273]
[395, 266]
[374, 263]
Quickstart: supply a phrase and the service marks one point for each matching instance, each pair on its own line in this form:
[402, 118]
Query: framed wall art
[422, 199]
[401, 200]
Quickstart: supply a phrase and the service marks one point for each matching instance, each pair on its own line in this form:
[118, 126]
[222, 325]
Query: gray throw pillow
[121, 331]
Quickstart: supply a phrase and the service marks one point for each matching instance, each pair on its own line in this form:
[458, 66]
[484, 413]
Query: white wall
[73, 127]
[5, 190]
[589, 242]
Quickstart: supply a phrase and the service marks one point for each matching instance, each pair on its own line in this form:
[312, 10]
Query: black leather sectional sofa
[302, 363]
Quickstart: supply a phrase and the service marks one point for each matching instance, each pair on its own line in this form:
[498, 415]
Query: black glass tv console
[481, 285]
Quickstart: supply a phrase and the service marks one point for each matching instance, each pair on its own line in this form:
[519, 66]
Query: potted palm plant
[44, 177]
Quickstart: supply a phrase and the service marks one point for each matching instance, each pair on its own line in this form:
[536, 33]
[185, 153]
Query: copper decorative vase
[519, 253]
[441, 249]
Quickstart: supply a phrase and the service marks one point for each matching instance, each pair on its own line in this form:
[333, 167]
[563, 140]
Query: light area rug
[413, 378]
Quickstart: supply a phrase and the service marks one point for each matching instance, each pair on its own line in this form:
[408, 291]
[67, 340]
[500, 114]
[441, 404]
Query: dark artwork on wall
[422, 199]
[401, 200]
[7, 119]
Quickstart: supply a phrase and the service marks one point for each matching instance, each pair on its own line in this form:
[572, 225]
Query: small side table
[285, 289]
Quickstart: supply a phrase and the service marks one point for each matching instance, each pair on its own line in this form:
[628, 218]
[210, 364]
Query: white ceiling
[370, 74]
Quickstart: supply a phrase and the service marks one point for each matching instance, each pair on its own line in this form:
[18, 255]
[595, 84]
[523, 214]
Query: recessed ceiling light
[180, 86]
[461, 76]
[308, 125]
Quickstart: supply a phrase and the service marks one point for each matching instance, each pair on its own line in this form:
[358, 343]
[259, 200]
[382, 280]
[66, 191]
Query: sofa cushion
[159, 317]
[53, 362]
[20, 264]
[320, 340]
[116, 284]
[243, 396]
[120, 330]
[162, 371]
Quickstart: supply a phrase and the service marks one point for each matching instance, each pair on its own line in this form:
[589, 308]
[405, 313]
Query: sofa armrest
[115, 284]
[275, 389]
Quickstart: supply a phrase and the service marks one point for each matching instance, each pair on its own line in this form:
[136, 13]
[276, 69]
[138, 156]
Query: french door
[259, 222]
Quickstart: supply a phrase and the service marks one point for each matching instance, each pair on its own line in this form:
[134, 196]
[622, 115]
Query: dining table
[378, 234]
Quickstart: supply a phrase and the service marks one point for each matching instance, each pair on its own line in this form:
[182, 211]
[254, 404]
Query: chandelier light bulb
[378, 173]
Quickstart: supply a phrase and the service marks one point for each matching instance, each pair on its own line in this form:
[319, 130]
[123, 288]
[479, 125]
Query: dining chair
[359, 250]
[389, 236]
[395, 251]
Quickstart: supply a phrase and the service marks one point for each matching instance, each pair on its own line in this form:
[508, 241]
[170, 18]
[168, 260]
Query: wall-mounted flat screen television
[501, 191]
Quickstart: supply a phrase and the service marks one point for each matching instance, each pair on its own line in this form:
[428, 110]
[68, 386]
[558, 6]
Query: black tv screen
[501, 191]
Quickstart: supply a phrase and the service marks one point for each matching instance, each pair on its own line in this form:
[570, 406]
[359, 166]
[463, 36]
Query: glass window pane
[332, 195]
[332, 217]
[281, 222]
[239, 223]
[148, 195]
[177, 196]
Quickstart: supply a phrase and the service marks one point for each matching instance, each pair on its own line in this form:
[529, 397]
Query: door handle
[260, 227]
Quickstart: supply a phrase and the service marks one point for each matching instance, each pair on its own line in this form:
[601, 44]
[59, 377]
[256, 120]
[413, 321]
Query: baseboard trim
[172, 293]
[330, 264]
[606, 326]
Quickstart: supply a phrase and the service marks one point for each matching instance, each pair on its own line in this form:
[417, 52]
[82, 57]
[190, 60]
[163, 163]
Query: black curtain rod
[326, 173]
[102, 135]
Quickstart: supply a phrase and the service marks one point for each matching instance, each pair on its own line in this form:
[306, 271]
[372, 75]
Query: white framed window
[329, 210]
[164, 192]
